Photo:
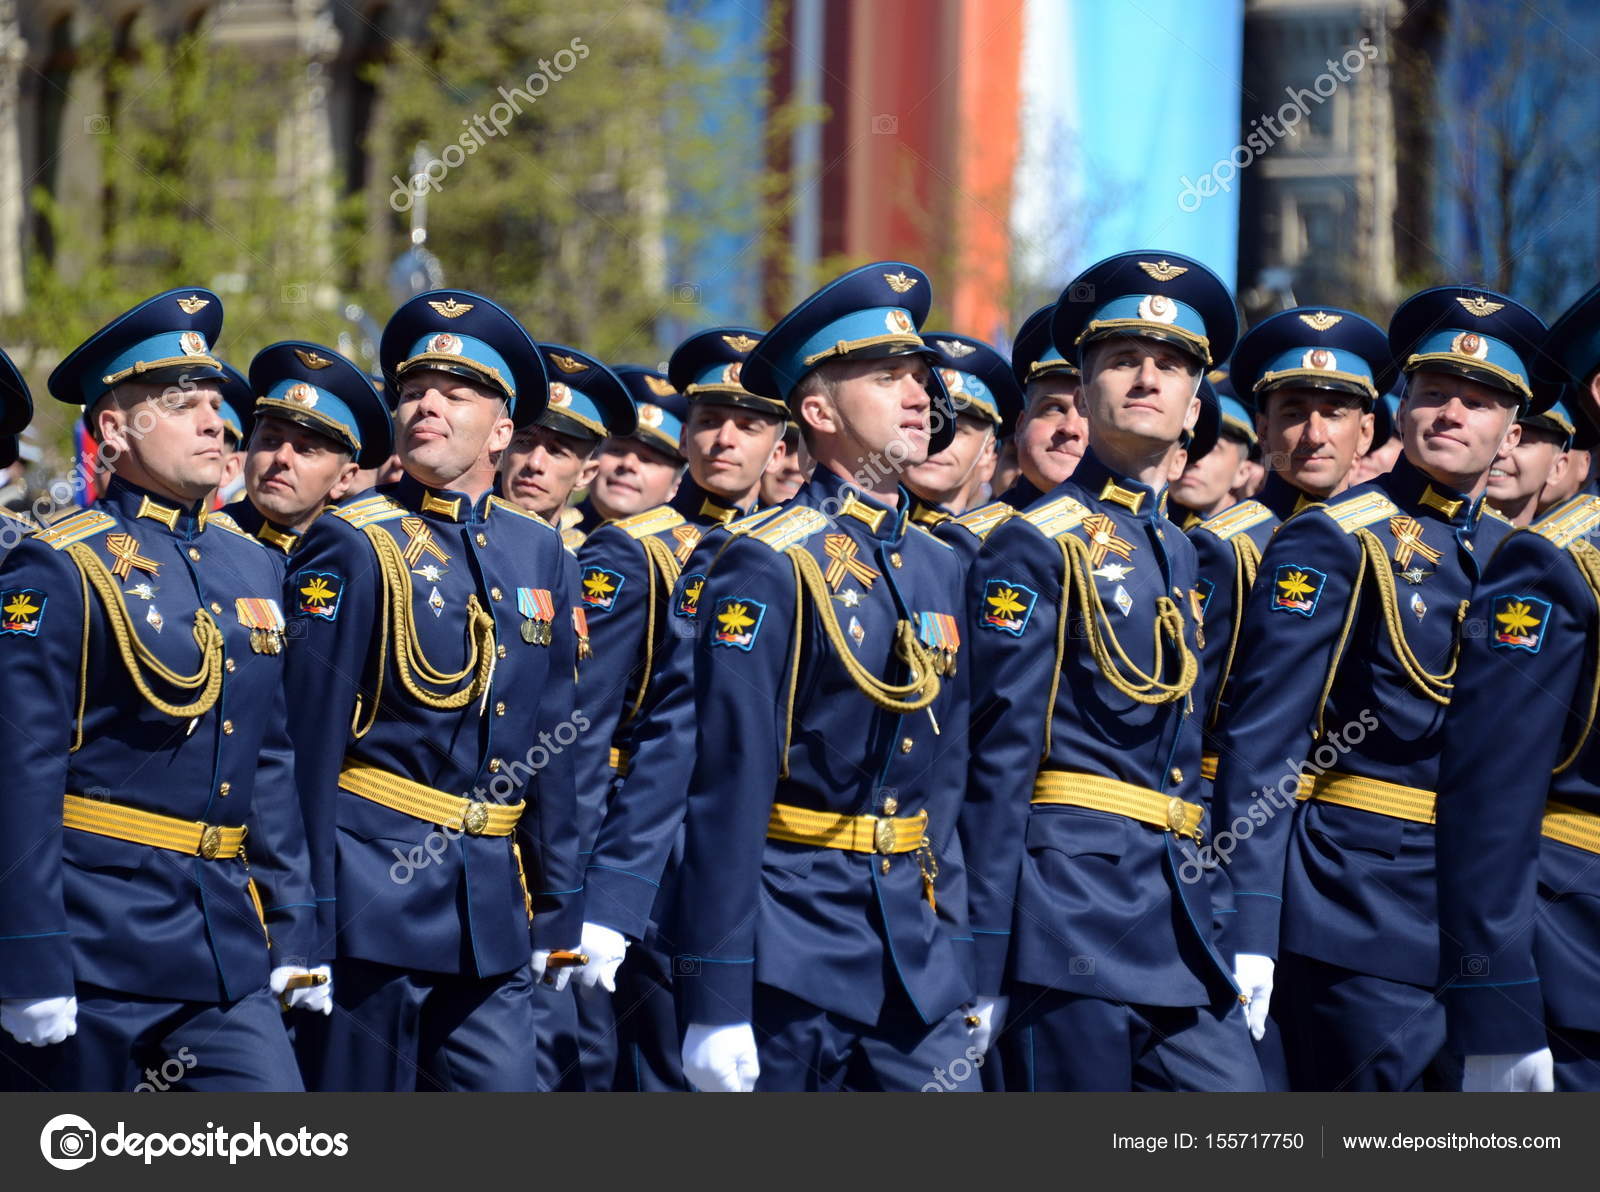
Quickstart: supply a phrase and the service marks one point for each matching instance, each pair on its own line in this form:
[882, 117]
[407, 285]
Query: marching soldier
[557, 452]
[637, 471]
[1309, 375]
[147, 764]
[16, 411]
[822, 906]
[1345, 672]
[729, 438]
[1518, 822]
[1206, 485]
[1050, 437]
[788, 471]
[431, 692]
[1084, 616]
[988, 402]
[316, 422]
[1521, 474]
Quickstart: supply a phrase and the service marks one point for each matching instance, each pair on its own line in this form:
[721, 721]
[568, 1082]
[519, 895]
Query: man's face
[1520, 471]
[1206, 482]
[632, 477]
[541, 468]
[878, 409]
[1454, 427]
[941, 478]
[729, 448]
[789, 469]
[172, 433]
[1052, 433]
[1139, 393]
[290, 472]
[1312, 438]
[1567, 475]
[445, 426]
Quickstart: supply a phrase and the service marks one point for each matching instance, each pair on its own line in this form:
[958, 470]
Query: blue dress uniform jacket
[1228, 547]
[627, 570]
[965, 534]
[1320, 686]
[1073, 899]
[279, 541]
[1517, 908]
[780, 719]
[147, 921]
[466, 911]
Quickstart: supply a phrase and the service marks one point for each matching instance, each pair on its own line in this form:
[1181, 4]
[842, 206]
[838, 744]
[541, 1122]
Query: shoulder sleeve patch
[1243, 516]
[76, 528]
[789, 528]
[1297, 588]
[370, 511]
[22, 611]
[317, 594]
[1572, 521]
[601, 586]
[738, 621]
[651, 521]
[687, 602]
[1361, 511]
[1057, 516]
[1007, 606]
[985, 518]
[1519, 622]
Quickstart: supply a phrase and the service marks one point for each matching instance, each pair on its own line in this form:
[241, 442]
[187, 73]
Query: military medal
[938, 631]
[539, 614]
[264, 619]
[580, 626]
[154, 619]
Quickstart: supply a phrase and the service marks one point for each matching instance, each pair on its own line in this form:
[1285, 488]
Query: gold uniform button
[494, 765]
[229, 665]
[500, 650]
[905, 744]
[1469, 546]
[224, 789]
[483, 540]
[891, 805]
[227, 728]
[216, 608]
[896, 561]
[194, 553]
[500, 708]
[1177, 774]
[495, 593]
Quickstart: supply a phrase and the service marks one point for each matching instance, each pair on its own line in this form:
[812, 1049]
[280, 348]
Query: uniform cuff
[1496, 1019]
[619, 900]
[716, 992]
[35, 966]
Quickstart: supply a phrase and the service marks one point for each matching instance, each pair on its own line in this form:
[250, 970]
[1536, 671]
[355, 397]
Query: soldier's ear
[347, 477]
[588, 471]
[817, 412]
[1369, 423]
[1513, 433]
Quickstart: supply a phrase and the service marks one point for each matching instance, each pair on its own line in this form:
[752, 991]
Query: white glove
[605, 948]
[1252, 972]
[1531, 1073]
[991, 1015]
[721, 1059]
[315, 998]
[556, 978]
[39, 1022]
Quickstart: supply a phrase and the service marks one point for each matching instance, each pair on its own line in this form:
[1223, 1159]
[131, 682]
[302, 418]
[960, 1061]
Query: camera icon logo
[1080, 292]
[67, 1142]
[686, 966]
[1474, 966]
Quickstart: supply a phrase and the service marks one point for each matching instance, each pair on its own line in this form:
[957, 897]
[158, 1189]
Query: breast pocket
[1344, 828]
[1075, 832]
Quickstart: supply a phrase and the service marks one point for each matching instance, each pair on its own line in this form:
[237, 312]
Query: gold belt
[619, 761]
[472, 816]
[852, 833]
[1572, 825]
[190, 837]
[1097, 793]
[1208, 766]
[1371, 794]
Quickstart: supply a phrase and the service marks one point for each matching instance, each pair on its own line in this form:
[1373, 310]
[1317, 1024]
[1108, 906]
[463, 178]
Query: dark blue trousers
[126, 1043]
[1577, 1056]
[649, 1033]
[399, 1031]
[1067, 1042]
[1348, 1031]
[806, 1049]
[556, 1028]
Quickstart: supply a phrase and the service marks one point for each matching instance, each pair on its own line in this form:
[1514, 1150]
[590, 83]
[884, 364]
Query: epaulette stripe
[1233, 521]
[76, 528]
[1565, 526]
[793, 526]
[984, 519]
[502, 503]
[1060, 515]
[651, 521]
[1494, 514]
[227, 523]
[370, 511]
[745, 525]
[1363, 511]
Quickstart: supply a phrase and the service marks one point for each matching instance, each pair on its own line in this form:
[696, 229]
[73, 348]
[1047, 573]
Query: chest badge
[539, 613]
[1101, 530]
[264, 619]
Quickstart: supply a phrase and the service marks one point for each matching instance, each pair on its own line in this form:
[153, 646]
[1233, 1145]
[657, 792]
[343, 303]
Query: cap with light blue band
[1154, 315]
[306, 401]
[876, 326]
[969, 391]
[1475, 351]
[169, 349]
[461, 351]
[1322, 365]
[662, 409]
[1236, 417]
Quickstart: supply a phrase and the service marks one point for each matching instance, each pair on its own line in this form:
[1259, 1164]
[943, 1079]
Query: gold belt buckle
[476, 817]
[211, 842]
[883, 836]
[1177, 816]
